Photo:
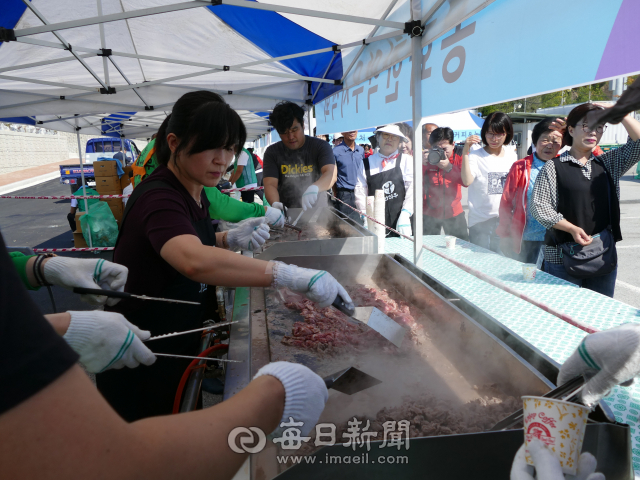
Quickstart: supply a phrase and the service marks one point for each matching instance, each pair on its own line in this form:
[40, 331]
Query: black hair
[283, 115]
[406, 130]
[439, 134]
[202, 121]
[498, 122]
[574, 117]
[540, 128]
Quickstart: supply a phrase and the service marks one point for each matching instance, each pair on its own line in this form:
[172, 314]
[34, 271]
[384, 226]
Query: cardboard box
[117, 211]
[78, 226]
[105, 168]
[114, 203]
[128, 171]
[108, 184]
[78, 240]
[125, 181]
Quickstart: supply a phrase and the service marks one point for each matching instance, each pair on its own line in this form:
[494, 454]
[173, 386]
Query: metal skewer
[296, 220]
[174, 334]
[196, 358]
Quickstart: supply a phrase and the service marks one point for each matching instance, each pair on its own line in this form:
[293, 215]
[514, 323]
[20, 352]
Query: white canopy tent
[116, 67]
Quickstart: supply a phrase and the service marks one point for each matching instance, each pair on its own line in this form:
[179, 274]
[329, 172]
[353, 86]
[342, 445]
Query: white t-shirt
[486, 190]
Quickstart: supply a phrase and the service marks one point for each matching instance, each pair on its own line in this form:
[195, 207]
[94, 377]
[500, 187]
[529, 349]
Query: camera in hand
[436, 155]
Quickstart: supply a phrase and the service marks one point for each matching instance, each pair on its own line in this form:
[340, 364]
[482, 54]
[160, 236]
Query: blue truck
[96, 148]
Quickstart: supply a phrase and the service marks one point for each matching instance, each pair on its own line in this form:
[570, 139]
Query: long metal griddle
[346, 237]
[511, 371]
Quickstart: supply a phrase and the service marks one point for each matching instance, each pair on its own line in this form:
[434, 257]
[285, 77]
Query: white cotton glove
[305, 394]
[275, 217]
[280, 206]
[404, 223]
[548, 466]
[606, 359]
[95, 273]
[250, 234]
[106, 340]
[319, 286]
[309, 197]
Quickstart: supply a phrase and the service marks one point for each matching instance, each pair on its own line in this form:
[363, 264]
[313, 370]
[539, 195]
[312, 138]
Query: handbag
[598, 258]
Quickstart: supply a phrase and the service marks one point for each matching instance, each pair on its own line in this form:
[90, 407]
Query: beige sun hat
[392, 129]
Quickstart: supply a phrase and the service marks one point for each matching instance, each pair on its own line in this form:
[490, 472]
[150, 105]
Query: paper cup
[559, 425]
[450, 242]
[529, 272]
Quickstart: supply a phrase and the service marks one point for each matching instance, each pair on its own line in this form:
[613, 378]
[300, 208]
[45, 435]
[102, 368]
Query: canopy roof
[160, 49]
[93, 58]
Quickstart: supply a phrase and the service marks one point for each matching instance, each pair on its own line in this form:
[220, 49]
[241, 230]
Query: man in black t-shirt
[298, 167]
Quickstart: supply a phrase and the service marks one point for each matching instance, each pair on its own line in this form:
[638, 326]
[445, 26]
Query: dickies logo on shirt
[495, 182]
[296, 170]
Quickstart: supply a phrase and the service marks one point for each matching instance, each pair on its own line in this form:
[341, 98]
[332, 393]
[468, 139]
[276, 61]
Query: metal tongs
[116, 294]
[567, 392]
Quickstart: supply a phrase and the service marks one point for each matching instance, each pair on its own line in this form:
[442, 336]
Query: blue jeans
[484, 235]
[604, 284]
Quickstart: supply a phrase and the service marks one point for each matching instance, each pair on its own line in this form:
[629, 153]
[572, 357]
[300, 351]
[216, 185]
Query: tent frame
[414, 29]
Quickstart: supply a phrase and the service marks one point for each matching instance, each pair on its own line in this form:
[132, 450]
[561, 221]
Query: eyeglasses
[388, 136]
[599, 128]
[495, 135]
[550, 142]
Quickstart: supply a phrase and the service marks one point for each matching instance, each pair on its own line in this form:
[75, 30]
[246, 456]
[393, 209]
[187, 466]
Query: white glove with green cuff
[305, 394]
[94, 273]
[404, 223]
[606, 359]
[309, 197]
[319, 286]
[548, 467]
[106, 340]
[275, 217]
[250, 234]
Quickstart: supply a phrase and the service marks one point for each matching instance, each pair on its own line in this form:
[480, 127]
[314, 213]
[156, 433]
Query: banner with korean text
[509, 50]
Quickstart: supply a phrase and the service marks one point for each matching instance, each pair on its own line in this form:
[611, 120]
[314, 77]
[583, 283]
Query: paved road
[43, 224]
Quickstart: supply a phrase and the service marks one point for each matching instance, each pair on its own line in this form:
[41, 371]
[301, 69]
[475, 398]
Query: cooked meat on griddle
[309, 232]
[428, 416]
[327, 329]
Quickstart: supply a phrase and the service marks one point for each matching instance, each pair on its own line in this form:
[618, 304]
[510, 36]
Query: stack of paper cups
[370, 212]
[379, 215]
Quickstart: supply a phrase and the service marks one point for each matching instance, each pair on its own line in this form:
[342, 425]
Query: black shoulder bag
[598, 258]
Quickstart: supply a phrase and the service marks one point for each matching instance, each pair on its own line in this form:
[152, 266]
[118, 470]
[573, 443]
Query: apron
[392, 182]
[142, 392]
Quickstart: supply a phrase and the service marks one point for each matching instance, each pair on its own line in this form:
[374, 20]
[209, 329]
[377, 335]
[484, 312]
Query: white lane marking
[629, 218]
[627, 285]
[627, 246]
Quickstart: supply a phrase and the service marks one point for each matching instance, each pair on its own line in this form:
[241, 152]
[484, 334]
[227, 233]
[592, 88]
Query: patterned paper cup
[529, 272]
[559, 425]
[450, 242]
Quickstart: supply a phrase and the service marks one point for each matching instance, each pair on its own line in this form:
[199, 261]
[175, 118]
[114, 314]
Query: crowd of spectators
[525, 209]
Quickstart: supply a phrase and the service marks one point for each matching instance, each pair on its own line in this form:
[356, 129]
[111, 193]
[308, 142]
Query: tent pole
[416, 83]
[105, 66]
[84, 189]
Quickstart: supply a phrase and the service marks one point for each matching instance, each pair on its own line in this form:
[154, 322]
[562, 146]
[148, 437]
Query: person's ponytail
[163, 153]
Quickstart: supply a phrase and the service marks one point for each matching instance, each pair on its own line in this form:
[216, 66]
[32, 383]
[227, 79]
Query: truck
[70, 174]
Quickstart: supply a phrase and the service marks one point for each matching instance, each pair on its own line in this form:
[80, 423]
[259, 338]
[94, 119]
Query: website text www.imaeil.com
[362, 459]
[357, 436]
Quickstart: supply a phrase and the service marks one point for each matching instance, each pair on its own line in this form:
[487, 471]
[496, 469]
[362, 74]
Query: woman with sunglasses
[577, 195]
[484, 171]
